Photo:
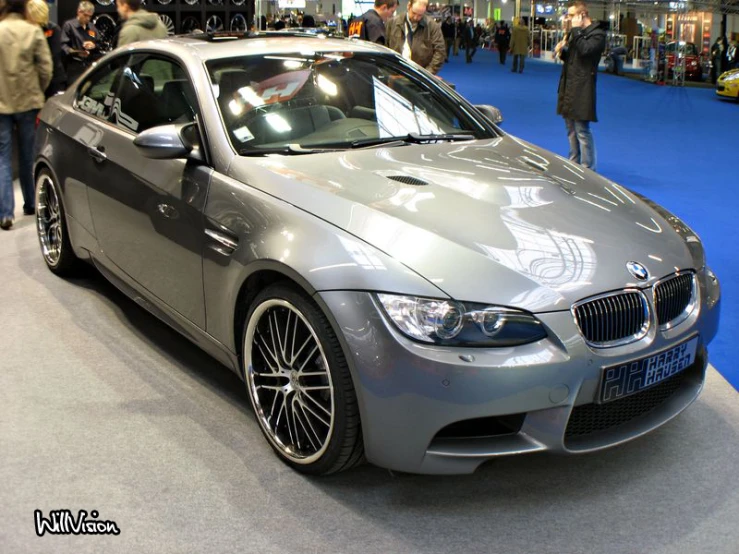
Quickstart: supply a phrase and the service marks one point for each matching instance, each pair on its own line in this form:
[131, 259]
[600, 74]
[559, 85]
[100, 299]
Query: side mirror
[491, 112]
[169, 142]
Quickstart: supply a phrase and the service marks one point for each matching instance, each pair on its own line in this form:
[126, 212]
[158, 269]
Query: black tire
[51, 227]
[341, 448]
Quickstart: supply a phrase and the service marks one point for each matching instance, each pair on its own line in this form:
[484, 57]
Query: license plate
[634, 376]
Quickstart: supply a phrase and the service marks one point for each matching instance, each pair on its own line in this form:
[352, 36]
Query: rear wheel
[51, 227]
[299, 383]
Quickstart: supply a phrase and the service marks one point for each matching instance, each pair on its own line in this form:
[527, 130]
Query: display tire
[51, 227]
[343, 447]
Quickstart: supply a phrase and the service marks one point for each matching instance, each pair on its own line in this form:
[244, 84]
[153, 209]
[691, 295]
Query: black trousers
[502, 51]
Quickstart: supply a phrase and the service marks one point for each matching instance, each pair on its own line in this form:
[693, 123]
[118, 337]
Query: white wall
[732, 26]
[507, 9]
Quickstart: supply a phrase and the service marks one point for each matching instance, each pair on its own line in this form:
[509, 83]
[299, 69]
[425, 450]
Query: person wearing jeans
[26, 124]
[25, 72]
[580, 50]
[582, 147]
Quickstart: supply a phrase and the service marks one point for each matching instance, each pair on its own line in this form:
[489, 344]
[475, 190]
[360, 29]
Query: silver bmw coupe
[393, 277]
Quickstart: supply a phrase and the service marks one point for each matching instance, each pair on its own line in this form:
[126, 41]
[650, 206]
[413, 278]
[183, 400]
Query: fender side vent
[408, 180]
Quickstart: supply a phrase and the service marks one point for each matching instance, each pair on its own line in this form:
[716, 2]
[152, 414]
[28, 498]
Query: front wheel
[51, 227]
[299, 383]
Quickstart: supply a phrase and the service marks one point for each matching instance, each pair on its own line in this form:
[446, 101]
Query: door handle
[98, 153]
[170, 212]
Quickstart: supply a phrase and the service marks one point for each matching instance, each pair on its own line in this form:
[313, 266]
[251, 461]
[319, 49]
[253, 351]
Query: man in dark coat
[80, 41]
[448, 30]
[470, 41]
[719, 57]
[371, 25]
[502, 40]
[580, 51]
[37, 11]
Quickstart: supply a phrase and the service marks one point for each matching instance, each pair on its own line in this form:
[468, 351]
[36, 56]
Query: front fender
[269, 234]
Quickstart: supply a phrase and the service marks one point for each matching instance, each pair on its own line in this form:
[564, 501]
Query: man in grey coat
[25, 72]
[138, 24]
[580, 50]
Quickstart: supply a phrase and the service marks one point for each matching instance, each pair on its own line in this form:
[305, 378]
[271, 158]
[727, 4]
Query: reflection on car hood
[497, 220]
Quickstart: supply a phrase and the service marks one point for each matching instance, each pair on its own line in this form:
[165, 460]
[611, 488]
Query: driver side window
[97, 94]
[154, 91]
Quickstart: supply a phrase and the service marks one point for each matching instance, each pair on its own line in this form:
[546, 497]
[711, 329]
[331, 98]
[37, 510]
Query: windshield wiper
[289, 149]
[412, 138]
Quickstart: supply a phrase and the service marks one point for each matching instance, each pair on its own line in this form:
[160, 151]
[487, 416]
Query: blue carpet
[676, 146]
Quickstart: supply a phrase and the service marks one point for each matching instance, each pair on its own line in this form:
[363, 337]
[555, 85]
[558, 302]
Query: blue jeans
[26, 123]
[582, 147]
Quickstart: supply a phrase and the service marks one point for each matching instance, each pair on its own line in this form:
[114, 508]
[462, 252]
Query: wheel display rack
[179, 16]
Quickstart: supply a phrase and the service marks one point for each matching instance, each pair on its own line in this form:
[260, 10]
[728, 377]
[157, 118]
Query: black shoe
[29, 211]
[6, 223]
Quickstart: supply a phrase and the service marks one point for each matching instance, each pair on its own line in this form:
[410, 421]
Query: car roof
[257, 43]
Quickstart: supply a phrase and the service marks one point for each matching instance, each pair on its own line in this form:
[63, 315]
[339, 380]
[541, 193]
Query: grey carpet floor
[102, 407]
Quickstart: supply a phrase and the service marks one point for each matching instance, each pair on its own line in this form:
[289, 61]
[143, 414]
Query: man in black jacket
[37, 11]
[580, 50]
[448, 29]
[80, 41]
[371, 25]
[502, 40]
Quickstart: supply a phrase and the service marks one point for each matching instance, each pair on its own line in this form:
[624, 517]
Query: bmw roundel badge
[638, 270]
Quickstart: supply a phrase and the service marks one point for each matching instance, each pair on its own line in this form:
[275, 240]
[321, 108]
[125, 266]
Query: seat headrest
[232, 80]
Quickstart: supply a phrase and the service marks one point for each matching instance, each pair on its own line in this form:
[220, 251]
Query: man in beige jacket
[520, 40]
[25, 72]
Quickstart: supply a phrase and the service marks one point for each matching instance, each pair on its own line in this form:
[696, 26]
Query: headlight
[451, 323]
[732, 77]
[691, 238]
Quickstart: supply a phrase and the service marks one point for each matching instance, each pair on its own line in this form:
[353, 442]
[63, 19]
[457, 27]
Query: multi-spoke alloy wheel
[50, 226]
[299, 383]
[49, 220]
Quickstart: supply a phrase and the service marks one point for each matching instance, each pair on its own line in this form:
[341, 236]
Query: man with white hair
[80, 41]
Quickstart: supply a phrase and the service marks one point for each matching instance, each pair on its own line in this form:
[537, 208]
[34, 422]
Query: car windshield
[298, 103]
[687, 49]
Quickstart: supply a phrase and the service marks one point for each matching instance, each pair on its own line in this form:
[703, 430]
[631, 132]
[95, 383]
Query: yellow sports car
[728, 84]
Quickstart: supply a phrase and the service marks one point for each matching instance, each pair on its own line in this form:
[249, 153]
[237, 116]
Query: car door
[77, 136]
[147, 213]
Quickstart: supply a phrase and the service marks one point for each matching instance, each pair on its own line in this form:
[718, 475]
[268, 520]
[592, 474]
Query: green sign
[496, 14]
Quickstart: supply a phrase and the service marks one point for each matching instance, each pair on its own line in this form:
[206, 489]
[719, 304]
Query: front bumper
[728, 89]
[409, 392]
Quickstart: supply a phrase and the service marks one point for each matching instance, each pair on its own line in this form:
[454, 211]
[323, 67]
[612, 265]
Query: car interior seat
[177, 101]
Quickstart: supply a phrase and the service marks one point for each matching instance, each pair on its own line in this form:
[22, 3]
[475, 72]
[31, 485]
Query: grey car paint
[545, 238]
[499, 221]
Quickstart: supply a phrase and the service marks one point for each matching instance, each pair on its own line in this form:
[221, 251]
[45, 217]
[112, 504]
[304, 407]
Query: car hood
[497, 221]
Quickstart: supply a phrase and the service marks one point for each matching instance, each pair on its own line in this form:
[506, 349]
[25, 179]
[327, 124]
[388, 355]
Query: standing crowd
[37, 60]
[420, 38]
